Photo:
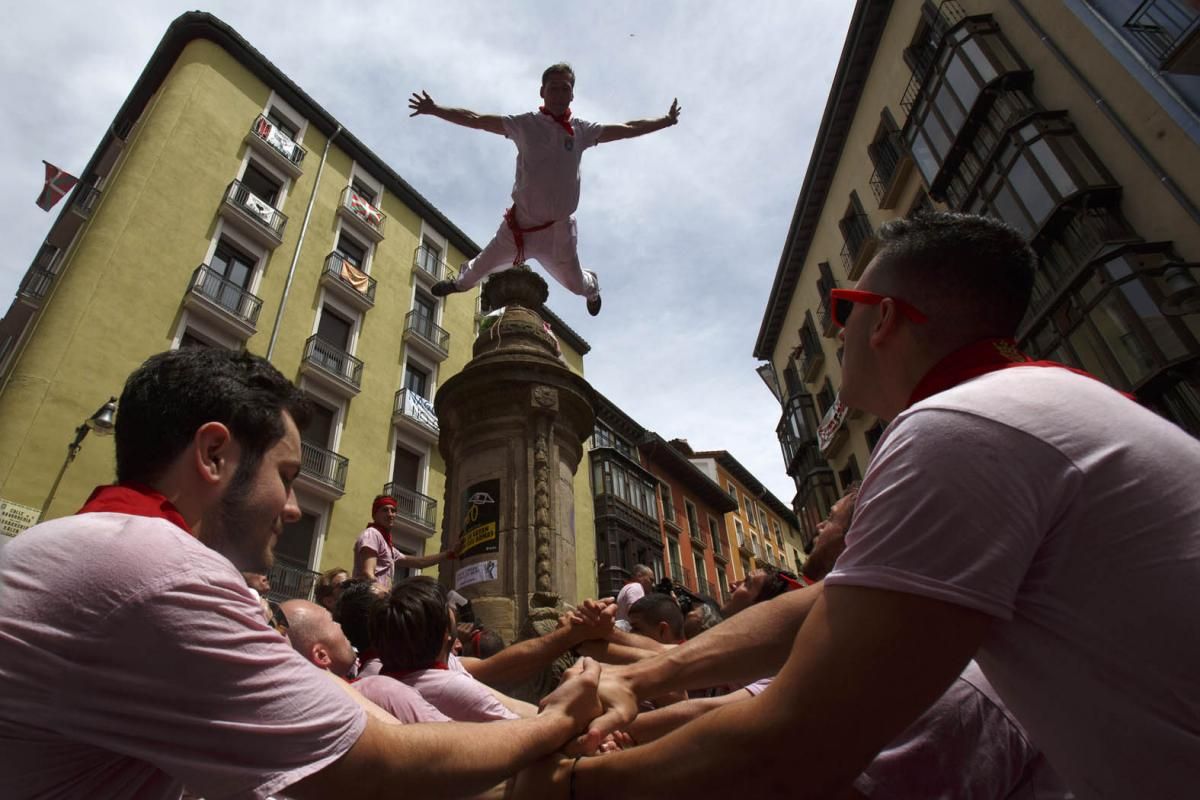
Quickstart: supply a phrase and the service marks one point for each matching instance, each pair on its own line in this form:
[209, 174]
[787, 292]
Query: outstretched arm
[522, 660]
[640, 127]
[422, 103]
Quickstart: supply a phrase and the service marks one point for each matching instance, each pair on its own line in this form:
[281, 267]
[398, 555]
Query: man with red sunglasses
[540, 223]
[1014, 512]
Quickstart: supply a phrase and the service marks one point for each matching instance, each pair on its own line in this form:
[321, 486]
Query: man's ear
[664, 632]
[215, 452]
[320, 656]
[886, 323]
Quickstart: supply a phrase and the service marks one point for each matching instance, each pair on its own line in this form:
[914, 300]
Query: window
[262, 185]
[295, 543]
[610, 477]
[701, 580]
[668, 502]
[283, 123]
[233, 265]
[778, 536]
[714, 534]
[334, 329]
[826, 397]
[748, 511]
[673, 557]
[191, 340]
[604, 436]
[741, 535]
[850, 474]
[732, 491]
[754, 548]
[351, 250]
[416, 380]
[319, 430]
[430, 257]
[426, 308]
[406, 469]
[364, 191]
[724, 583]
[693, 519]
[873, 435]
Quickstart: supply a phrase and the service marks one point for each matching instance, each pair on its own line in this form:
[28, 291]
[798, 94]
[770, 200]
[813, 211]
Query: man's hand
[590, 611]
[423, 104]
[576, 698]
[672, 114]
[582, 626]
[620, 705]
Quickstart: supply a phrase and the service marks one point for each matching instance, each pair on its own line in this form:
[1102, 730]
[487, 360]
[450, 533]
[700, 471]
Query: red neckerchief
[398, 675]
[564, 120]
[801, 583]
[475, 637]
[387, 536]
[136, 500]
[978, 359]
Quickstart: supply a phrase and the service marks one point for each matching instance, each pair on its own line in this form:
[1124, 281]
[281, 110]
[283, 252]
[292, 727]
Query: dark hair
[172, 394]
[324, 587]
[971, 275]
[775, 585]
[490, 643]
[561, 68]
[410, 627]
[657, 607]
[353, 611]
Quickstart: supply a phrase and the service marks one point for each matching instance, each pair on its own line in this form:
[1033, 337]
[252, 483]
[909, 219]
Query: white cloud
[684, 226]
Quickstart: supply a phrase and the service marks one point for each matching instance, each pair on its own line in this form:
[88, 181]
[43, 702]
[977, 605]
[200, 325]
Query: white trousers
[555, 248]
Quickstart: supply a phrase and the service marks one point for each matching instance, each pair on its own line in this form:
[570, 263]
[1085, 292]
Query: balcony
[85, 200]
[813, 356]
[223, 303]
[428, 265]
[291, 582]
[332, 367]
[832, 433]
[35, 285]
[702, 586]
[415, 512]
[348, 282]
[415, 415]
[1170, 32]
[892, 164]
[860, 244]
[253, 216]
[322, 472]
[825, 315]
[423, 335]
[360, 215]
[676, 571]
[276, 146]
[720, 555]
[949, 13]
[698, 538]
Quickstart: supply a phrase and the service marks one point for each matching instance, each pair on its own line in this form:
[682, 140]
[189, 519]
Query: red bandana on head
[133, 499]
[978, 359]
[564, 120]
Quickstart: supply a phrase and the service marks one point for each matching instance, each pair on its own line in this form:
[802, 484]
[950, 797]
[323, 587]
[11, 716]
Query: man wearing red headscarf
[539, 224]
[375, 556]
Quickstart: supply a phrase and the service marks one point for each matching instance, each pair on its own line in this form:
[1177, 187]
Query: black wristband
[571, 781]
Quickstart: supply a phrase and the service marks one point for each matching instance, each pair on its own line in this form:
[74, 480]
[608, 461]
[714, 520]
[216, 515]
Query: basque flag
[58, 183]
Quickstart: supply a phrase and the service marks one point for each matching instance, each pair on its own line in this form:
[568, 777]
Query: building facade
[1077, 122]
[225, 207]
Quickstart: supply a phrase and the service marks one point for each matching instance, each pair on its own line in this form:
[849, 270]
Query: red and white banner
[58, 183]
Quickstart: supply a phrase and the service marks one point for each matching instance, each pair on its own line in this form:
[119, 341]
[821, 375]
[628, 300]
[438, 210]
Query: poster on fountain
[478, 572]
[481, 519]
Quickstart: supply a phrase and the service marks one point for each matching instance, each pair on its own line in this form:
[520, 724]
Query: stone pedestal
[513, 423]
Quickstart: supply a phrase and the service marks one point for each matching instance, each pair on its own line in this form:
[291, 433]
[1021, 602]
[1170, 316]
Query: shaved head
[315, 635]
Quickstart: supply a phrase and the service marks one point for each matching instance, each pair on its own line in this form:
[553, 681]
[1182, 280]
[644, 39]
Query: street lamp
[102, 423]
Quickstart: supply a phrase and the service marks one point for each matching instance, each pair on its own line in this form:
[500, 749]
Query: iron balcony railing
[337, 265]
[886, 154]
[324, 465]
[333, 359]
[702, 586]
[291, 582]
[430, 262]
[86, 198]
[273, 135]
[413, 505]
[814, 356]
[423, 326]
[212, 286]
[412, 405]
[676, 571]
[825, 315]
[36, 283]
[363, 209]
[857, 230]
[1159, 25]
[256, 208]
[949, 13]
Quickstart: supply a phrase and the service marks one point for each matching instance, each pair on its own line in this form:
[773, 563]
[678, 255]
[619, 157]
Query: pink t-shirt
[146, 665]
[371, 543]
[458, 695]
[546, 188]
[630, 593]
[398, 699]
[1071, 515]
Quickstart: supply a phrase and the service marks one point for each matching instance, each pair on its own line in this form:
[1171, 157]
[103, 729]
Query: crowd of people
[1003, 609]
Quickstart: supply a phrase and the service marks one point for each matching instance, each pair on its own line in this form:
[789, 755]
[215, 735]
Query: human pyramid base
[1004, 608]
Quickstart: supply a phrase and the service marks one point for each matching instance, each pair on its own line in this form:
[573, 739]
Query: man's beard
[235, 521]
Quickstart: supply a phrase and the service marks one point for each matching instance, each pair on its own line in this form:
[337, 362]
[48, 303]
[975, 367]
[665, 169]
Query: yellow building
[225, 207]
[762, 528]
[1078, 122]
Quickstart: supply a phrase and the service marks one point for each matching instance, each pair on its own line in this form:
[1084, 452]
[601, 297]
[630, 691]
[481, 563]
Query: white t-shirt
[146, 665]
[457, 694]
[398, 699]
[630, 593]
[1071, 514]
[546, 187]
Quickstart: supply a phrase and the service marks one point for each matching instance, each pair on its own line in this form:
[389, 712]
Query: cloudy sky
[684, 227]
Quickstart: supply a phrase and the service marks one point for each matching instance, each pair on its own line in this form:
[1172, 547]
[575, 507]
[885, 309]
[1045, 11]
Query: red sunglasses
[842, 302]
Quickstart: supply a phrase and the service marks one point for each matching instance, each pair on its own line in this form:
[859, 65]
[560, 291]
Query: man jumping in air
[550, 144]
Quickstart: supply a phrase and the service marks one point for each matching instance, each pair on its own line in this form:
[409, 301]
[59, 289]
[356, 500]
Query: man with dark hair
[375, 556]
[414, 631]
[765, 582]
[329, 587]
[550, 144]
[657, 616]
[1014, 511]
[157, 669]
[353, 613]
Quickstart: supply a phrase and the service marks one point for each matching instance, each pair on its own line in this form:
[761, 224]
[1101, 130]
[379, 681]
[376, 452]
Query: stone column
[513, 423]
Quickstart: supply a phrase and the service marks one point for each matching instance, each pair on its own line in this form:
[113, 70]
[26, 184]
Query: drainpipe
[1111, 115]
[287, 285]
